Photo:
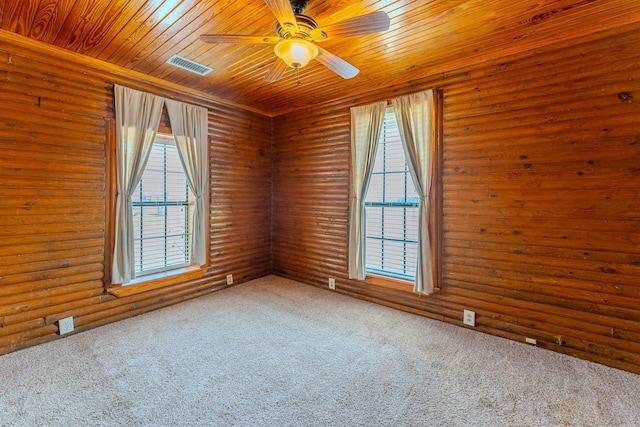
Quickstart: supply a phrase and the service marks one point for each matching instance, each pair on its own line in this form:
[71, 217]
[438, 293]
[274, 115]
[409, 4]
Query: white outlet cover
[65, 325]
[229, 279]
[469, 318]
[332, 283]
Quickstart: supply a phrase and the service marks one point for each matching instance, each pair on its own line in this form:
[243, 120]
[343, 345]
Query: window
[162, 206]
[391, 208]
[394, 228]
[158, 154]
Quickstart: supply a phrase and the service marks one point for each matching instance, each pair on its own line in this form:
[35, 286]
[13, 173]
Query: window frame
[384, 173]
[435, 213]
[151, 281]
[187, 203]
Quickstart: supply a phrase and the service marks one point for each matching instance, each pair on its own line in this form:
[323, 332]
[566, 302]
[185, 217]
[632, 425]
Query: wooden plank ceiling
[426, 37]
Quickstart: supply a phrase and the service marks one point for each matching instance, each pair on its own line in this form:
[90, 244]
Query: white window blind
[392, 209]
[161, 205]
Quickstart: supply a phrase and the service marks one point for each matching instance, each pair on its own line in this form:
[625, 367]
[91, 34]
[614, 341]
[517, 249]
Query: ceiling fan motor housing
[305, 24]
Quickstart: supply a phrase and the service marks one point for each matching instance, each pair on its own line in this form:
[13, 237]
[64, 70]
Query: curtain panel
[189, 127]
[415, 115]
[137, 119]
[366, 125]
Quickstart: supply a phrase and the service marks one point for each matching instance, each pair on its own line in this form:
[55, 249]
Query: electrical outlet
[229, 279]
[65, 325]
[332, 283]
[469, 318]
[531, 341]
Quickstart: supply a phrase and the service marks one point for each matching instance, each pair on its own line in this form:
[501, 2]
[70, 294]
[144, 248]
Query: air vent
[189, 65]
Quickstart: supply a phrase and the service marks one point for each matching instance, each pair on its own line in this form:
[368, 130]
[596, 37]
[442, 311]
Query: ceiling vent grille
[189, 65]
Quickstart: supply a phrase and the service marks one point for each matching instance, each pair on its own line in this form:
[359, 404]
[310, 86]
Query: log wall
[541, 198]
[54, 114]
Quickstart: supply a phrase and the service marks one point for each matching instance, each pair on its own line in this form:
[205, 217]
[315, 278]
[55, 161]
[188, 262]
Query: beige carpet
[274, 352]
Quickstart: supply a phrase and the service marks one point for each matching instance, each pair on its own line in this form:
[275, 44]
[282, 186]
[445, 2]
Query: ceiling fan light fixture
[296, 53]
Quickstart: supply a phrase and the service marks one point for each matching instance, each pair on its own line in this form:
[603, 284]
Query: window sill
[389, 282]
[158, 280]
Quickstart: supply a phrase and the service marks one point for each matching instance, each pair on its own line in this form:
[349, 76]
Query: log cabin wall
[54, 112]
[540, 196]
[541, 208]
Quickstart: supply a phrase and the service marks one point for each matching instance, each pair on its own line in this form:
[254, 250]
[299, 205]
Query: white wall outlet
[332, 283]
[531, 341]
[469, 318]
[229, 279]
[65, 325]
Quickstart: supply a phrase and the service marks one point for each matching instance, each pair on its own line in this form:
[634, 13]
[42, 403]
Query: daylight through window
[161, 205]
[391, 209]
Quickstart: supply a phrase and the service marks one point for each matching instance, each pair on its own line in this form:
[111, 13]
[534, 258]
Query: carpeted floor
[273, 352]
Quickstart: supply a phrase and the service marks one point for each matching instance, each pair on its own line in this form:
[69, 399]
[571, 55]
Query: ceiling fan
[297, 33]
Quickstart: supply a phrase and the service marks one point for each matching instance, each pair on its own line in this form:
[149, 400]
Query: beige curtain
[137, 118]
[189, 127]
[415, 115]
[366, 124]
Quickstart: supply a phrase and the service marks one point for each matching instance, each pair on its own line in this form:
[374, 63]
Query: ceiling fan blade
[336, 64]
[363, 24]
[236, 38]
[277, 71]
[283, 12]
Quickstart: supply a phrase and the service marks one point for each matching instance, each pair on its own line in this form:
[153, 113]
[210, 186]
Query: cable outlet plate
[65, 325]
[332, 283]
[229, 279]
[469, 318]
